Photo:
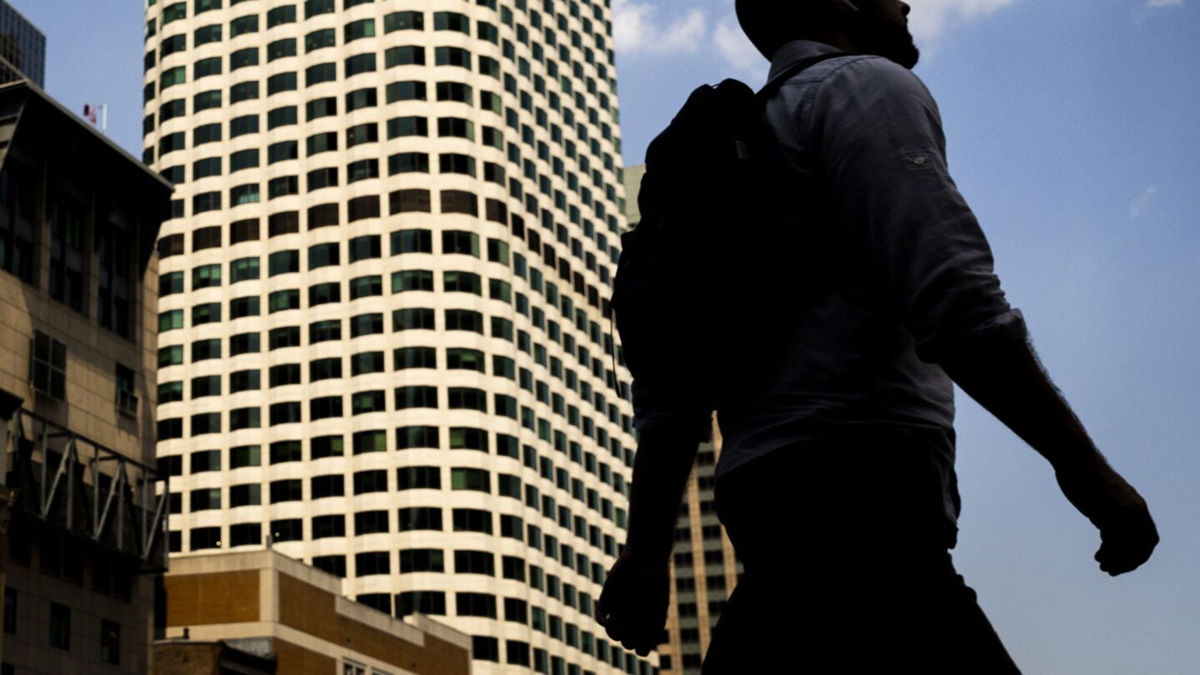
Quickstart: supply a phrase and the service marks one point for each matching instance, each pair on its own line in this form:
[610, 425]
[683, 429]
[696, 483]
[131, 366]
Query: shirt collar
[797, 51]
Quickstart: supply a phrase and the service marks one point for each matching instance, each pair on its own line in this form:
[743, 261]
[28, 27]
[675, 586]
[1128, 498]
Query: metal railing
[68, 480]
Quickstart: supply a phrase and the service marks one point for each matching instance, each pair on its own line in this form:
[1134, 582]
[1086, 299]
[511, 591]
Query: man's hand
[1127, 532]
[633, 605]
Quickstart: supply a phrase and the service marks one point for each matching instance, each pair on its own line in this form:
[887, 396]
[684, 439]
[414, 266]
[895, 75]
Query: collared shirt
[915, 272]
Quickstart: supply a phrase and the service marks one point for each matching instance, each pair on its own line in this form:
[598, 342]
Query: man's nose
[905, 8]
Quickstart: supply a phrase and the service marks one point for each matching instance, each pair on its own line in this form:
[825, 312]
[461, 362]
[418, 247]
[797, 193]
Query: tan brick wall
[309, 609]
[293, 658]
[200, 599]
[187, 659]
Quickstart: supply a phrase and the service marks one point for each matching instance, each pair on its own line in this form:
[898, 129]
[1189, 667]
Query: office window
[244, 380]
[366, 362]
[473, 520]
[320, 39]
[413, 318]
[324, 369]
[407, 90]
[330, 485]
[322, 178]
[374, 480]
[366, 286]
[280, 301]
[206, 34]
[321, 107]
[418, 477]
[452, 56]
[333, 564]
[414, 357]
[451, 21]
[362, 402]
[278, 117]
[408, 162]
[403, 21]
[485, 648]
[419, 518]
[243, 58]
[473, 604]
[362, 133]
[243, 25]
[325, 407]
[455, 91]
[245, 534]
[60, 626]
[328, 526]
[417, 436]
[281, 15]
[416, 397]
[465, 320]
[460, 201]
[372, 562]
[326, 446]
[289, 529]
[282, 151]
[205, 499]
[470, 479]
[281, 82]
[404, 55]
[374, 440]
[243, 230]
[281, 49]
[432, 603]
[359, 63]
[363, 169]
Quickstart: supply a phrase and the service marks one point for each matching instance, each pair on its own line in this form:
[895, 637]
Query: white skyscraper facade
[384, 342]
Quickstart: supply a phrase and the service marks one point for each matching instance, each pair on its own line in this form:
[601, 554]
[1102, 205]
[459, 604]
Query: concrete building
[22, 48]
[79, 504]
[704, 569]
[268, 613]
[384, 339]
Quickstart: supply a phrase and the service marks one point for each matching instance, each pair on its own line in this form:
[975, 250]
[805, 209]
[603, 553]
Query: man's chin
[907, 56]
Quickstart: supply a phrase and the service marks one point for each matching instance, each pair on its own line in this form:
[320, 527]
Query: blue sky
[1074, 132]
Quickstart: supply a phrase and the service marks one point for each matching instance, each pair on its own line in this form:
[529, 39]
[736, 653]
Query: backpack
[702, 281]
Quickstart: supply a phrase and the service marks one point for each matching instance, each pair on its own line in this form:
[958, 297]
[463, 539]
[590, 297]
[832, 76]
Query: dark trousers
[844, 546]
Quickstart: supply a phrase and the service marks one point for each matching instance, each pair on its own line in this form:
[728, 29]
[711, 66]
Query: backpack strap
[768, 90]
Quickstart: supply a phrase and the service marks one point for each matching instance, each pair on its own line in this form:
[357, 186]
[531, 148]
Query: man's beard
[888, 40]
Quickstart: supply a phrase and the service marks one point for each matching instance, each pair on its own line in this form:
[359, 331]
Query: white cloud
[930, 19]
[1156, 4]
[1141, 202]
[637, 29]
[736, 49]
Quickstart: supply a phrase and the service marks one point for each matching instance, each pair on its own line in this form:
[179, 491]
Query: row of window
[415, 477]
[368, 206]
[408, 478]
[415, 560]
[399, 21]
[59, 632]
[446, 127]
[396, 91]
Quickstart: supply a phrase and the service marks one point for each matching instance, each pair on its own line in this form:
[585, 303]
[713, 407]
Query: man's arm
[1007, 379]
[633, 606]
[879, 138]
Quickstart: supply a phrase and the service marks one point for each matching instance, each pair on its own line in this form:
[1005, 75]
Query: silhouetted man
[836, 480]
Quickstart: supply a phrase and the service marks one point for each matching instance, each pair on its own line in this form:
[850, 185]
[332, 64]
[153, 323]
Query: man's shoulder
[864, 71]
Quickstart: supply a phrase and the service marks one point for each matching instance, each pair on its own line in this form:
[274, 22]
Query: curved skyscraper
[384, 345]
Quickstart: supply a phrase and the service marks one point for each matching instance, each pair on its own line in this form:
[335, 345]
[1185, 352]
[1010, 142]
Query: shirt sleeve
[878, 134]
